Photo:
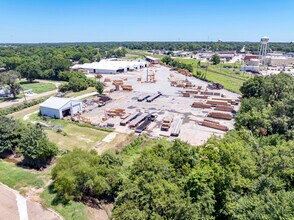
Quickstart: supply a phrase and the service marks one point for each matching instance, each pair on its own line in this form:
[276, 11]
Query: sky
[40, 21]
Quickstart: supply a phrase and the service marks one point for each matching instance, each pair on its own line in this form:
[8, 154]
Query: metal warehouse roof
[56, 102]
[109, 65]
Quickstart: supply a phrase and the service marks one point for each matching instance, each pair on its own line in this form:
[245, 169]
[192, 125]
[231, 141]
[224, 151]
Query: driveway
[14, 206]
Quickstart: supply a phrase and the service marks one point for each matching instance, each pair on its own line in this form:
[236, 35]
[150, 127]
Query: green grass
[69, 210]
[37, 87]
[231, 80]
[83, 92]
[17, 177]
[228, 82]
[73, 135]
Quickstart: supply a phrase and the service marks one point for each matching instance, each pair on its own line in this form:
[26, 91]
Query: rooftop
[55, 102]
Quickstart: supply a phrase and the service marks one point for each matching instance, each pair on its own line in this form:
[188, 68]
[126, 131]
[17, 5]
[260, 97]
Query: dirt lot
[170, 103]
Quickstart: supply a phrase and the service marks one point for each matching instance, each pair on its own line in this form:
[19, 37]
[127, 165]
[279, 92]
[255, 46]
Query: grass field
[17, 177]
[37, 87]
[69, 210]
[72, 134]
[231, 80]
[83, 92]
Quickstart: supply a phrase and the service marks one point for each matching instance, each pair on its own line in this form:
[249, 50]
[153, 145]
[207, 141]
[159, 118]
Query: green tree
[10, 134]
[99, 87]
[80, 174]
[215, 59]
[36, 148]
[77, 84]
[10, 79]
[30, 71]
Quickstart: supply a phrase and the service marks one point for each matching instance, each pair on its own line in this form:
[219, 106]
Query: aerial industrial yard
[171, 103]
[146, 110]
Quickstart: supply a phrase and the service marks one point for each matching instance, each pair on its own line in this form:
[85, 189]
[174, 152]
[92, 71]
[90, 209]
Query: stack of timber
[224, 108]
[217, 102]
[186, 94]
[201, 96]
[220, 115]
[231, 101]
[166, 122]
[206, 93]
[176, 130]
[116, 112]
[118, 82]
[107, 79]
[200, 105]
[127, 87]
[215, 125]
[192, 91]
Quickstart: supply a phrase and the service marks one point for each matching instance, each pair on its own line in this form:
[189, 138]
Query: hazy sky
[34, 21]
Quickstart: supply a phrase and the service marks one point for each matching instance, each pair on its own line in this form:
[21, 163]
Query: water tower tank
[264, 40]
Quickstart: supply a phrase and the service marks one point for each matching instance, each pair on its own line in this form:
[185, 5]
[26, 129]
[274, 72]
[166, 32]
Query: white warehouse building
[55, 107]
[111, 66]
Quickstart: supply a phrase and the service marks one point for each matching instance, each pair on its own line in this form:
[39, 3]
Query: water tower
[263, 48]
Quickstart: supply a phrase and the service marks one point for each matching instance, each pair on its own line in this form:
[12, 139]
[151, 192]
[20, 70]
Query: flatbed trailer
[142, 98]
[176, 130]
[143, 125]
[153, 97]
[129, 118]
[138, 120]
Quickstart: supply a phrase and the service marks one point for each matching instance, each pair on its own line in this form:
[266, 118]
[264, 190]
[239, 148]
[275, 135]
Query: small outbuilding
[56, 107]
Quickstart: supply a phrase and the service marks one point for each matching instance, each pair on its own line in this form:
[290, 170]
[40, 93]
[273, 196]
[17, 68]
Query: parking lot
[171, 103]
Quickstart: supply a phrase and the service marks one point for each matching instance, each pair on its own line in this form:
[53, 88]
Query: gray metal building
[56, 107]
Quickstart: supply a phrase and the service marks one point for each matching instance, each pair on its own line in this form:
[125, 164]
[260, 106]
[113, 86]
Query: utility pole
[147, 74]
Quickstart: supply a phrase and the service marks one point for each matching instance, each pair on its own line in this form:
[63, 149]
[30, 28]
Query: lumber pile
[186, 94]
[220, 115]
[116, 112]
[224, 108]
[118, 82]
[225, 99]
[184, 72]
[192, 91]
[217, 102]
[206, 93]
[201, 96]
[215, 125]
[200, 105]
[216, 93]
[127, 87]
[107, 79]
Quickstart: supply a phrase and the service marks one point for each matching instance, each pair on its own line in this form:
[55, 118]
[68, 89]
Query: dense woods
[248, 174]
[47, 61]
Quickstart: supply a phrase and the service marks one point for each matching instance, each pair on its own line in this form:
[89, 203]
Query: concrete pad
[109, 137]
[8, 205]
